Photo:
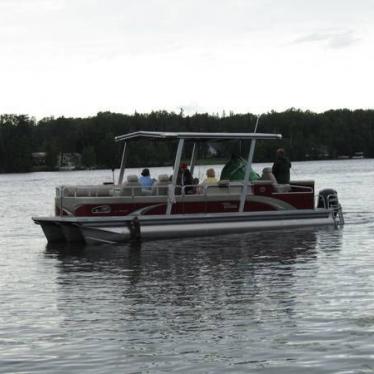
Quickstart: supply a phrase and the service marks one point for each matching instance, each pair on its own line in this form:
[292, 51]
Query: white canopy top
[196, 135]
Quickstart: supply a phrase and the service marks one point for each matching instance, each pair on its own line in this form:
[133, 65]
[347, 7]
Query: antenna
[258, 119]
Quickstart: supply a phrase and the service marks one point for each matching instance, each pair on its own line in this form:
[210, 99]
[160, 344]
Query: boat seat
[282, 187]
[147, 191]
[131, 186]
[102, 191]
[83, 192]
[79, 191]
[69, 191]
[267, 175]
[223, 187]
[213, 189]
[236, 187]
[161, 187]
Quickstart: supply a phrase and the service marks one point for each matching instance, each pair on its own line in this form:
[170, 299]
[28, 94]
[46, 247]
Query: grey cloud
[343, 40]
[331, 39]
[316, 37]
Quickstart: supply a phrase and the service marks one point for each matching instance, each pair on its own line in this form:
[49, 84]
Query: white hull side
[95, 235]
[122, 229]
[117, 230]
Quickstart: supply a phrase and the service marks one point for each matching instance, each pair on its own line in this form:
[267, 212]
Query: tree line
[306, 135]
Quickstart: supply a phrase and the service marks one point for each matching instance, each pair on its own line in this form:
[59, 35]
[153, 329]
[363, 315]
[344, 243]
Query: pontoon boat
[124, 211]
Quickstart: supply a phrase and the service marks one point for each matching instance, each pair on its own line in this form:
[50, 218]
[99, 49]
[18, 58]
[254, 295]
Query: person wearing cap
[281, 167]
[145, 179]
[185, 178]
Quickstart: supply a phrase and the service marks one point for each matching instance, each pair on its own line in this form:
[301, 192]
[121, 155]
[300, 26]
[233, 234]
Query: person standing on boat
[281, 167]
[145, 179]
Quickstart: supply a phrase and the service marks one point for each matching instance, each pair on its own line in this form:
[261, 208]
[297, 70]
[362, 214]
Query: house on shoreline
[65, 161]
[69, 161]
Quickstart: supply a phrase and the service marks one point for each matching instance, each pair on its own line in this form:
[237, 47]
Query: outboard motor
[328, 199]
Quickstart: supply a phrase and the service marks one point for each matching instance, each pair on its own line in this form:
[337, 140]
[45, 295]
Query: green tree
[89, 157]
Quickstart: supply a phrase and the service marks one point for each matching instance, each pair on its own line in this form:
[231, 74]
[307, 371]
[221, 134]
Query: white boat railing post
[122, 167]
[248, 169]
[171, 192]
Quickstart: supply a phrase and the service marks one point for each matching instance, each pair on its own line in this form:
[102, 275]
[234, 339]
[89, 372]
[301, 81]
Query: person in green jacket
[281, 167]
[234, 170]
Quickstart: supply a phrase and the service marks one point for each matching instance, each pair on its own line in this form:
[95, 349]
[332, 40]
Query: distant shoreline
[27, 144]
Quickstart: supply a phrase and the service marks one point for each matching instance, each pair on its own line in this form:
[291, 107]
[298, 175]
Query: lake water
[299, 301]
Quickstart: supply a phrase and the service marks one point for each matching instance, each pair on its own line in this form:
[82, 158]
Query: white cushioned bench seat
[131, 186]
[162, 185]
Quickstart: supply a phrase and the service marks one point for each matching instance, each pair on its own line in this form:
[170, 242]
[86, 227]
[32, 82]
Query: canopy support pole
[122, 167]
[248, 169]
[171, 192]
[193, 158]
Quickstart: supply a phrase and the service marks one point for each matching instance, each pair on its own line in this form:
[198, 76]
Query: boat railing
[295, 188]
[132, 191]
[234, 188]
[86, 191]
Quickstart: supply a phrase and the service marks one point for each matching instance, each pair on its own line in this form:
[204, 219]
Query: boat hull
[130, 228]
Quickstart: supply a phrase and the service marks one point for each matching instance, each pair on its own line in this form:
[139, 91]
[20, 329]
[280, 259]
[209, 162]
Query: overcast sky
[78, 57]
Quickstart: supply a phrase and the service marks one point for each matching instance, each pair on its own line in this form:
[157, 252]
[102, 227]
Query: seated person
[185, 178]
[210, 177]
[234, 170]
[145, 179]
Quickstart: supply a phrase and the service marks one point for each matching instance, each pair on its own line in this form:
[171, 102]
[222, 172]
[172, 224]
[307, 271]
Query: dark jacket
[281, 170]
[184, 178]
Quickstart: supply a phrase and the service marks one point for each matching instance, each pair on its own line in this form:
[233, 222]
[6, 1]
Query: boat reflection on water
[183, 260]
[240, 287]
